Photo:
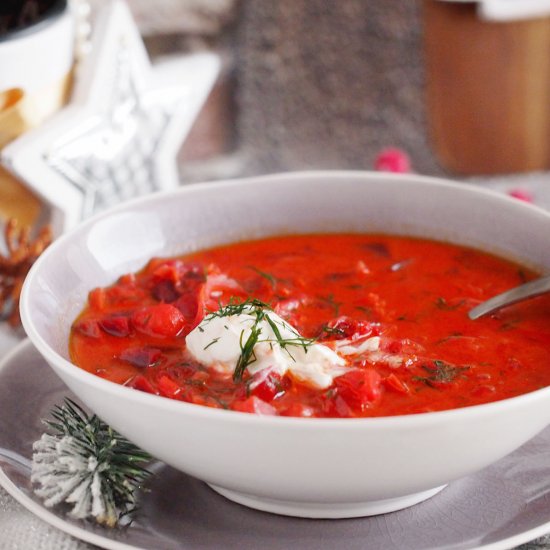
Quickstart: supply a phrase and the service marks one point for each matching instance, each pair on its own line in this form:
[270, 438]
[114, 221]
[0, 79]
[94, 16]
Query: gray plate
[502, 506]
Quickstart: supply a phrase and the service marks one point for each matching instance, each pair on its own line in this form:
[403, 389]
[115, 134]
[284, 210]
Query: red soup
[318, 326]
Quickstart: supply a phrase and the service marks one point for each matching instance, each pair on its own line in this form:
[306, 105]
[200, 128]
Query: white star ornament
[120, 134]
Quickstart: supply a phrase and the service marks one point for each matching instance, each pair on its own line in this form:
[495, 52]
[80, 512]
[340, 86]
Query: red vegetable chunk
[267, 385]
[116, 325]
[168, 387]
[142, 384]
[347, 327]
[141, 357]
[87, 327]
[359, 388]
[162, 320]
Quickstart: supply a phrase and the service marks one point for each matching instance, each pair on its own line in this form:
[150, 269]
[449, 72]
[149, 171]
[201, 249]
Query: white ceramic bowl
[303, 467]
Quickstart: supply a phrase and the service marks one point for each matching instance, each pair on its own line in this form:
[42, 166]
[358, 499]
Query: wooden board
[488, 90]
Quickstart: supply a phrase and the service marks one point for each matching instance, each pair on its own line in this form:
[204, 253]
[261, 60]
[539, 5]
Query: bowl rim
[57, 362]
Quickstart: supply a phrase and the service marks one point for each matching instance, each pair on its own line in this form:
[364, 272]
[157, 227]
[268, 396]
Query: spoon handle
[528, 290]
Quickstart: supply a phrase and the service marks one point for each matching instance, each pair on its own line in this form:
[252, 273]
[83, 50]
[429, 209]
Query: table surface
[21, 530]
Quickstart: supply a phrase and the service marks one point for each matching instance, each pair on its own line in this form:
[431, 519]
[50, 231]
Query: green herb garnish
[268, 276]
[440, 373]
[247, 355]
[442, 304]
[333, 331]
[509, 325]
[451, 336]
[211, 343]
[260, 312]
[332, 303]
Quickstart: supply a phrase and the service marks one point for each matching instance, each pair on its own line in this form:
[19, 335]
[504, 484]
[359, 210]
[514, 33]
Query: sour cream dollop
[216, 342]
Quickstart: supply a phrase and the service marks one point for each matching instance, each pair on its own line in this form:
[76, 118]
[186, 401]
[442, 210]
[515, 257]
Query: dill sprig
[237, 307]
[260, 311]
[268, 276]
[85, 463]
[333, 331]
[247, 355]
[441, 373]
[332, 303]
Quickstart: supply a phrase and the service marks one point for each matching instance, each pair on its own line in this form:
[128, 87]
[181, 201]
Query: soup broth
[319, 326]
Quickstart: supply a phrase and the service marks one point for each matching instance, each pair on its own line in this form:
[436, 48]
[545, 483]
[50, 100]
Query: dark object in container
[18, 17]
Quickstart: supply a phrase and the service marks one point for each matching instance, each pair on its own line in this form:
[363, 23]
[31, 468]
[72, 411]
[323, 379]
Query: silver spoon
[517, 294]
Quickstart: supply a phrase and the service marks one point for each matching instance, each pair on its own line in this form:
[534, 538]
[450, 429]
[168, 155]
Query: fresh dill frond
[86, 464]
[247, 355]
[268, 276]
[441, 373]
[214, 341]
[333, 331]
[332, 303]
[260, 312]
[442, 304]
[237, 307]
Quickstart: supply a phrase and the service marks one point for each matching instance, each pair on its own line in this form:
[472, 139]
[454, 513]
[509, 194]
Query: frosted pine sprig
[86, 464]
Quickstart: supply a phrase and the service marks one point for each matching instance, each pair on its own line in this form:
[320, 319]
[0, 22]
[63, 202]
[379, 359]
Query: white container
[36, 59]
[510, 10]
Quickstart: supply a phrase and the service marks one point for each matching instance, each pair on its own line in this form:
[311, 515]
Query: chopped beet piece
[88, 327]
[267, 386]
[359, 388]
[167, 272]
[141, 383]
[188, 305]
[393, 346]
[141, 357]
[179, 273]
[161, 320]
[165, 291]
[121, 294]
[168, 387]
[116, 325]
[345, 327]
[195, 271]
[181, 373]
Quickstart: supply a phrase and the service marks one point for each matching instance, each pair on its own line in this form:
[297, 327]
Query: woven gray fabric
[21, 530]
[329, 84]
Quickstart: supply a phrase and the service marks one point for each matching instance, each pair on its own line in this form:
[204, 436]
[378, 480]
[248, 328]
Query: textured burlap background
[328, 84]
